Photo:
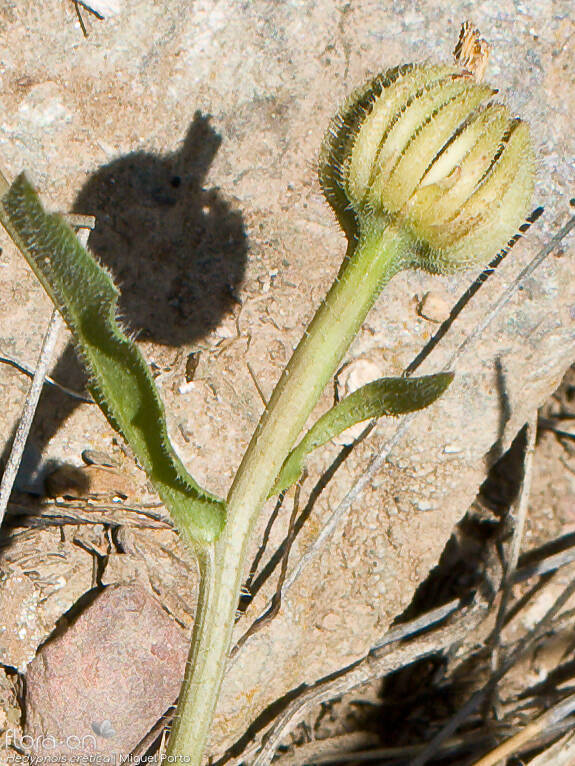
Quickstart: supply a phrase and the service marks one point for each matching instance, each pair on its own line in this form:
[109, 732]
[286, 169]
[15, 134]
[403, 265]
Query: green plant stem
[379, 255]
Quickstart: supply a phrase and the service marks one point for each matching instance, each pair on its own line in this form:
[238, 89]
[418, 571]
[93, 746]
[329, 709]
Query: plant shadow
[176, 249]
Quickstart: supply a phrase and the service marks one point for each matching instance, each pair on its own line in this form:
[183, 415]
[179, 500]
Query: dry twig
[377, 663]
[276, 600]
[47, 379]
[32, 398]
[28, 411]
[516, 517]
[534, 729]
[476, 699]
[562, 753]
[367, 668]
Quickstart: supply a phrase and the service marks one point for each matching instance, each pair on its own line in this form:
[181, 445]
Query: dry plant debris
[500, 664]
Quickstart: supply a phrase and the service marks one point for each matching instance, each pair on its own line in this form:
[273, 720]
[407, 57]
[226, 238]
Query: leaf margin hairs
[120, 380]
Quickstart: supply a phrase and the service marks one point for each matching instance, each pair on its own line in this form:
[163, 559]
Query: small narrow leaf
[386, 396]
[120, 380]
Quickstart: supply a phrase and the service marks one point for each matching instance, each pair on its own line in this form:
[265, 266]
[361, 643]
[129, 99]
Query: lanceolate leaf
[120, 380]
[386, 396]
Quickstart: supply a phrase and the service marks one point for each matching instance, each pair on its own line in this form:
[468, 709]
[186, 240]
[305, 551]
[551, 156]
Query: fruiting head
[425, 148]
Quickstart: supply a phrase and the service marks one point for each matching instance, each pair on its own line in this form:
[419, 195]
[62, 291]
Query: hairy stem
[378, 256]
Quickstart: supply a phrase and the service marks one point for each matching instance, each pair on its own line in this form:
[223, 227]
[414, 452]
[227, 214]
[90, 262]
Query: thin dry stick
[379, 459]
[160, 728]
[256, 582]
[562, 753]
[473, 288]
[317, 751]
[506, 296]
[76, 514]
[31, 403]
[275, 604]
[545, 424]
[530, 732]
[546, 565]
[374, 665]
[520, 514]
[352, 495]
[80, 19]
[262, 549]
[50, 381]
[28, 411]
[476, 699]
[419, 623]
[341, 748]
[517, 517]
[256, 384]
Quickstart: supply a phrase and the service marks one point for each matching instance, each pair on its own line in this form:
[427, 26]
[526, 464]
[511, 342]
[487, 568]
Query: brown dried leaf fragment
[471, 51]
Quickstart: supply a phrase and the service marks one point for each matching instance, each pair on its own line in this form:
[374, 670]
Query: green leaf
[120, 380]
[386, 396]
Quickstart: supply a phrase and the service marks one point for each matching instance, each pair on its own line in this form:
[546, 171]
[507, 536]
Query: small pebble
[185, 388]
[192, 365]
[433, 307]
[95, 457]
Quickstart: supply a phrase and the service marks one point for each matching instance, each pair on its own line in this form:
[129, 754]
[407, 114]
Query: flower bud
[424, 148]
